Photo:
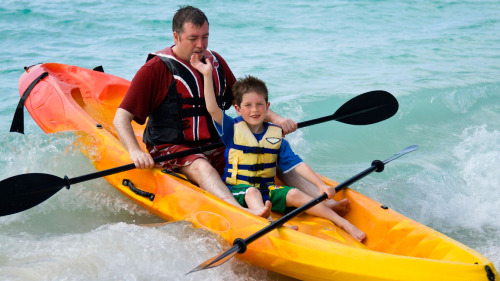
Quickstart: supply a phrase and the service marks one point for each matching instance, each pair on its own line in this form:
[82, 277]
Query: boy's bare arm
[208, 90]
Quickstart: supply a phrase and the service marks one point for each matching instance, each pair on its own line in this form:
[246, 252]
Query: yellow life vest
[250, 161]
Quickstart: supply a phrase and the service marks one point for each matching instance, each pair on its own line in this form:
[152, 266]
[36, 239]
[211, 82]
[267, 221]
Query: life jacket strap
[257, 167]
[255, 149]
[253, 180]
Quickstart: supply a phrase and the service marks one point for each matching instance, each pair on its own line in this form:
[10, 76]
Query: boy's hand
[329, 190]
[203, 68]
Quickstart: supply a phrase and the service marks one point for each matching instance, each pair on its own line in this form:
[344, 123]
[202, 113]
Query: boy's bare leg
[292, 178]
[296, 198]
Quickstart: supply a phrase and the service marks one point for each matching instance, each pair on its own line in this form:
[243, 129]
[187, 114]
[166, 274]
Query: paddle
[21, 192]
[240, 245]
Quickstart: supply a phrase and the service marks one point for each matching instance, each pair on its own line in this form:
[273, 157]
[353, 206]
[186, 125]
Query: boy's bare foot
[264, 212]
[354, 231]
[341, 207]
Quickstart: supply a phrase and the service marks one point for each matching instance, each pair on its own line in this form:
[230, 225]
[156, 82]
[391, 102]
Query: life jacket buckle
[257, 167]
[257, 150]
[253, 180]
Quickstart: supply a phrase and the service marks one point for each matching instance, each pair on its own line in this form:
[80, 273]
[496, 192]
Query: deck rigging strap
[18, 121]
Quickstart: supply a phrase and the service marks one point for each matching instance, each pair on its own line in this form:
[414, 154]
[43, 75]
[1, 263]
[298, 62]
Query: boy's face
[253, 108]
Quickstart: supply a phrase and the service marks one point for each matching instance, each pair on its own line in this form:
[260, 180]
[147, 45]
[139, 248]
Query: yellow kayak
[84, 101]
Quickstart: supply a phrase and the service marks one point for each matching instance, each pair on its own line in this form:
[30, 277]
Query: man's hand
[141, 159]
[123, 126]
[288, 125]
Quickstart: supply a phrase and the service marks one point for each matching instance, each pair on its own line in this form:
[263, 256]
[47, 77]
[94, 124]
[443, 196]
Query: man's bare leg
[293, 179]
[206, 177]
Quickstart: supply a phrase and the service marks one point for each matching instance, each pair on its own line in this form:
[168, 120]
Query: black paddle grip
[242, 243]
[379, 165]
[68, 183]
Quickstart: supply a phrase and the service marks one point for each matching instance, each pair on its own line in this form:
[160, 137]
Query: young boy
[255, 148]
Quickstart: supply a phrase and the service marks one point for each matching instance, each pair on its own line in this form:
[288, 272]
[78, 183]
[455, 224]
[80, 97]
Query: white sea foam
[478, 157]
[119, 252]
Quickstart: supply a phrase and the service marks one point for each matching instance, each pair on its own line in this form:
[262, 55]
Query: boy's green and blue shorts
[276, 194]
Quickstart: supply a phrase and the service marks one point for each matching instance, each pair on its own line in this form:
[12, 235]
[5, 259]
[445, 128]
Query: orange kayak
[84, 101]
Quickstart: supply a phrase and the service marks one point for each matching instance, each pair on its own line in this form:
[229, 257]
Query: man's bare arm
[123, 126]
[288, 125]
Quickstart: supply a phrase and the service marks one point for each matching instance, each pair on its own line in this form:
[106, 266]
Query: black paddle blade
[368, 108]
[21, 192]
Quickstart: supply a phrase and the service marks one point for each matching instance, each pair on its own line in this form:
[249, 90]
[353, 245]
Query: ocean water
[441, 59]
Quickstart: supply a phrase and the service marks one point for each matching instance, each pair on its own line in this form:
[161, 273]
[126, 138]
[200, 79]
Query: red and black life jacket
[182, 117]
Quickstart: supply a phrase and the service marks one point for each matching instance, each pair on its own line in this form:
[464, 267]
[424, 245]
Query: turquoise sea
[441, 59]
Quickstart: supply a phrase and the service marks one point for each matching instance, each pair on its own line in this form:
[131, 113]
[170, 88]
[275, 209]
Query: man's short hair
[188, 14]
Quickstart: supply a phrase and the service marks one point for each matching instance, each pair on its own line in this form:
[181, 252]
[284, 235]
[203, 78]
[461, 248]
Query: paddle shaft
[376, 166]
[240, 245]
[21, 192]
[131, 166]
[184, 153]
[201, 149]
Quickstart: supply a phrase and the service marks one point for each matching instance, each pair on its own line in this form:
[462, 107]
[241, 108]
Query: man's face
[192, 40]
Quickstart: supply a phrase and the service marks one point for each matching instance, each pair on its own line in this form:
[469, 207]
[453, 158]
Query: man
[169, 91]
